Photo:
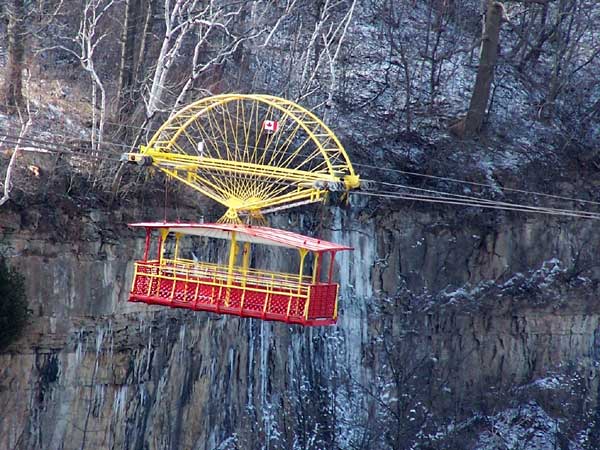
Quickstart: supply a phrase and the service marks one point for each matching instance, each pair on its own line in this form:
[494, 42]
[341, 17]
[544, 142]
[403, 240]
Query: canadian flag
[270, 126]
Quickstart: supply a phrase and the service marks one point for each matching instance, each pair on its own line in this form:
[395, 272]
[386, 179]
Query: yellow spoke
[219, 175]
[213, 123]
[218, 146]
[205, 137]
[279, 149]
[283, 150]
[291, 156]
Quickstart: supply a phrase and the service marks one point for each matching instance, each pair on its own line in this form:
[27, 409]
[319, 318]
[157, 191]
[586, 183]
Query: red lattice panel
[208, 294]
[254, 302]
[322, 301]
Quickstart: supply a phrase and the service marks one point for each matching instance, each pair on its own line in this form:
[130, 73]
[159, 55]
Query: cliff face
[457, 330]
[443, 366]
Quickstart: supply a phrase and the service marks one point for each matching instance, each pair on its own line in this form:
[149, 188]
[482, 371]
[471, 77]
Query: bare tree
[89, 36]
[25, 125]
[207, 33]
[126, 65]
[179, 20]
[217, 21]
[570, 30]
[12, 91]
[144, 41]
[322, 49]
[558, 40]
[398, 399]
[480, 96]
[88, 40]
[533, 34]
[399, 56]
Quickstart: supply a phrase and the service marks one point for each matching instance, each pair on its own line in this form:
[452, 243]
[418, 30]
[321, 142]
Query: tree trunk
[562, 42]
[146, 35]
[13, 84]
[408, 87]
[126, 66]
[534, 54]
[472, 123]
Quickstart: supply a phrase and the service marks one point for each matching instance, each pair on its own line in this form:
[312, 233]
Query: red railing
[208, 287]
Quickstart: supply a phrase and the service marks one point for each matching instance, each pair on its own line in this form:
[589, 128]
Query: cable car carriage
[235, 287]
[254, 154]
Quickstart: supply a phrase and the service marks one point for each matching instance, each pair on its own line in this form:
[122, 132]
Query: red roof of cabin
[248, 233]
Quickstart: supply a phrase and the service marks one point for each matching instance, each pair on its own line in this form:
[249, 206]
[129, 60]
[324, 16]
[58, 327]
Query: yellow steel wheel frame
[220, 147]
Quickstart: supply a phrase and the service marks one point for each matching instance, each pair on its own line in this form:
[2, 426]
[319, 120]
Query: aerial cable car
[254, 154]
[234, 287]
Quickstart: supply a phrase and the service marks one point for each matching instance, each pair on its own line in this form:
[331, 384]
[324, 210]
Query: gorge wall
[442, 331]
[458, 329]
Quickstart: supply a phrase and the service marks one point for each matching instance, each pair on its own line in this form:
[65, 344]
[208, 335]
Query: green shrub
[13, 304]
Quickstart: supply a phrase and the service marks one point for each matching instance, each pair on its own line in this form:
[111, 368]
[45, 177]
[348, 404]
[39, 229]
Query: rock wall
[433, 320]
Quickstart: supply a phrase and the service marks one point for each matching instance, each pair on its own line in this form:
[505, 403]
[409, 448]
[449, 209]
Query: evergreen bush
[13, 304]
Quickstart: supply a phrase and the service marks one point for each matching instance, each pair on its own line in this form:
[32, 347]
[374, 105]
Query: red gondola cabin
[235, 287]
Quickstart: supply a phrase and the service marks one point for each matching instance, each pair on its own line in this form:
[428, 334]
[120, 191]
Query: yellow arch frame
[165, 155]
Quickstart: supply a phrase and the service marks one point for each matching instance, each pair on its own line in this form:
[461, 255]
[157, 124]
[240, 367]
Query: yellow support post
[164, 232]
[335, 309]
[245, 265]
[232, 256]
[268, 295]
[307, 303]
[316, 267]
[135, 275]
[303, 252]
[177, 238]
[246, 259]
[174, 275]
